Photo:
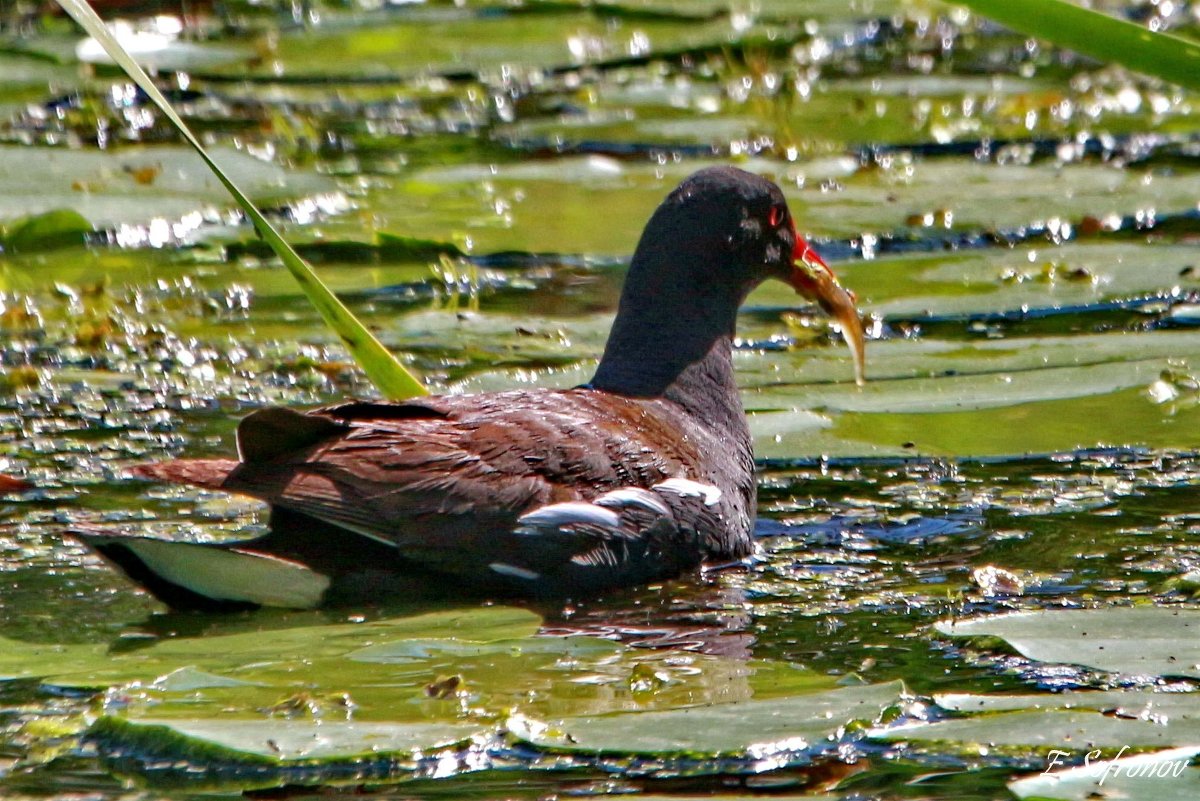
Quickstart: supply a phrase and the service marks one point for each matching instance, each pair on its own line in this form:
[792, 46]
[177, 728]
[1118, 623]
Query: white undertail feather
[633, 496]
[232, 575]
[686, 488]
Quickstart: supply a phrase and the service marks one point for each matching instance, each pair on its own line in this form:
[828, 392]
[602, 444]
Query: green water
[1019, 226]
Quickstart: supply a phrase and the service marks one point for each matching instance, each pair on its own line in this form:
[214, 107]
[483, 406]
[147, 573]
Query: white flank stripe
[505, 569]
[557, 515]
[362, 532]
[634, 496]
[687, 488]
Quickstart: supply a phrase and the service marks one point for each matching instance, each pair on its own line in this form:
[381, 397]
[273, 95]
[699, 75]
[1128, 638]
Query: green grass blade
[1098, 35]
[388, 375]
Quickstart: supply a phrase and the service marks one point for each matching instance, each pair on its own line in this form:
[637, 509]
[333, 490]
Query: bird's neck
[684, 353]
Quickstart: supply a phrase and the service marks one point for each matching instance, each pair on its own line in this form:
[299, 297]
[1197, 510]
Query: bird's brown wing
[445, 479]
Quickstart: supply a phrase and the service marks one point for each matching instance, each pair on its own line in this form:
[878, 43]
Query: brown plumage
[642, 474]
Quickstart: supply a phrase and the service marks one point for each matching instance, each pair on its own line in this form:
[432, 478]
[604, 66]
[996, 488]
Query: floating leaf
[463, 41]
[551, 206]
[1159, 776]
[1130, 702]
[100, 187]
[410, 650]
[794, 723]
[275, 742]
[1071, 721]
[1072, 731]
[1147, 715]
[259, 657]
[382, 670]
[413, 248]
[982, 399]
[46, 231]
[1137, 641]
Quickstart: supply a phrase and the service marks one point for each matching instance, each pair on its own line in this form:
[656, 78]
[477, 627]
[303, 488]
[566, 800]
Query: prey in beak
[813, 279]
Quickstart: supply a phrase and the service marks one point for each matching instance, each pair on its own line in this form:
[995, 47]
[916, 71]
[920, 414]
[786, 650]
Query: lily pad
[1136, 641]
[134, 186]
[462, 40]
[248, 657]
[1004, 396]
[1007, 283]
[673, 114]
[1158, 776]
[989, 196]
[937, 376]
[550, 206]
[969, 399]
[46, 231]
[396, 670]
[1129, 703]
[754, 727]
[1072, 731]
[1071, 722]
[276, 742]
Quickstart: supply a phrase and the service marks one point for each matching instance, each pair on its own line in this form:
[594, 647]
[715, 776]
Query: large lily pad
[1071, 722]
[548, 207]
[1123, 703]
[250, 656]
[1138, 641]
[278, 742]
[938, 376]
[1005, 285]
[466, 41]
[53, 229]
[1036, 410]
[422, 668]
[694, 112]
[754, 727]
[137, 185]
[1158, 776]
[1071, 731]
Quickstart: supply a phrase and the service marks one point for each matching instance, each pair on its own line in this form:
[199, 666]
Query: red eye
[775, 217]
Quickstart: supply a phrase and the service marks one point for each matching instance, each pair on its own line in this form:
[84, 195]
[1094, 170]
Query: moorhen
[641, 474]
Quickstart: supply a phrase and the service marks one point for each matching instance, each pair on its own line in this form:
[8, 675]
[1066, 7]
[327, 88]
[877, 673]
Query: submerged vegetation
[1018, 221]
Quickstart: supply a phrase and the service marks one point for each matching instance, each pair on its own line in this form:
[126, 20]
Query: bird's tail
[208, 577]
